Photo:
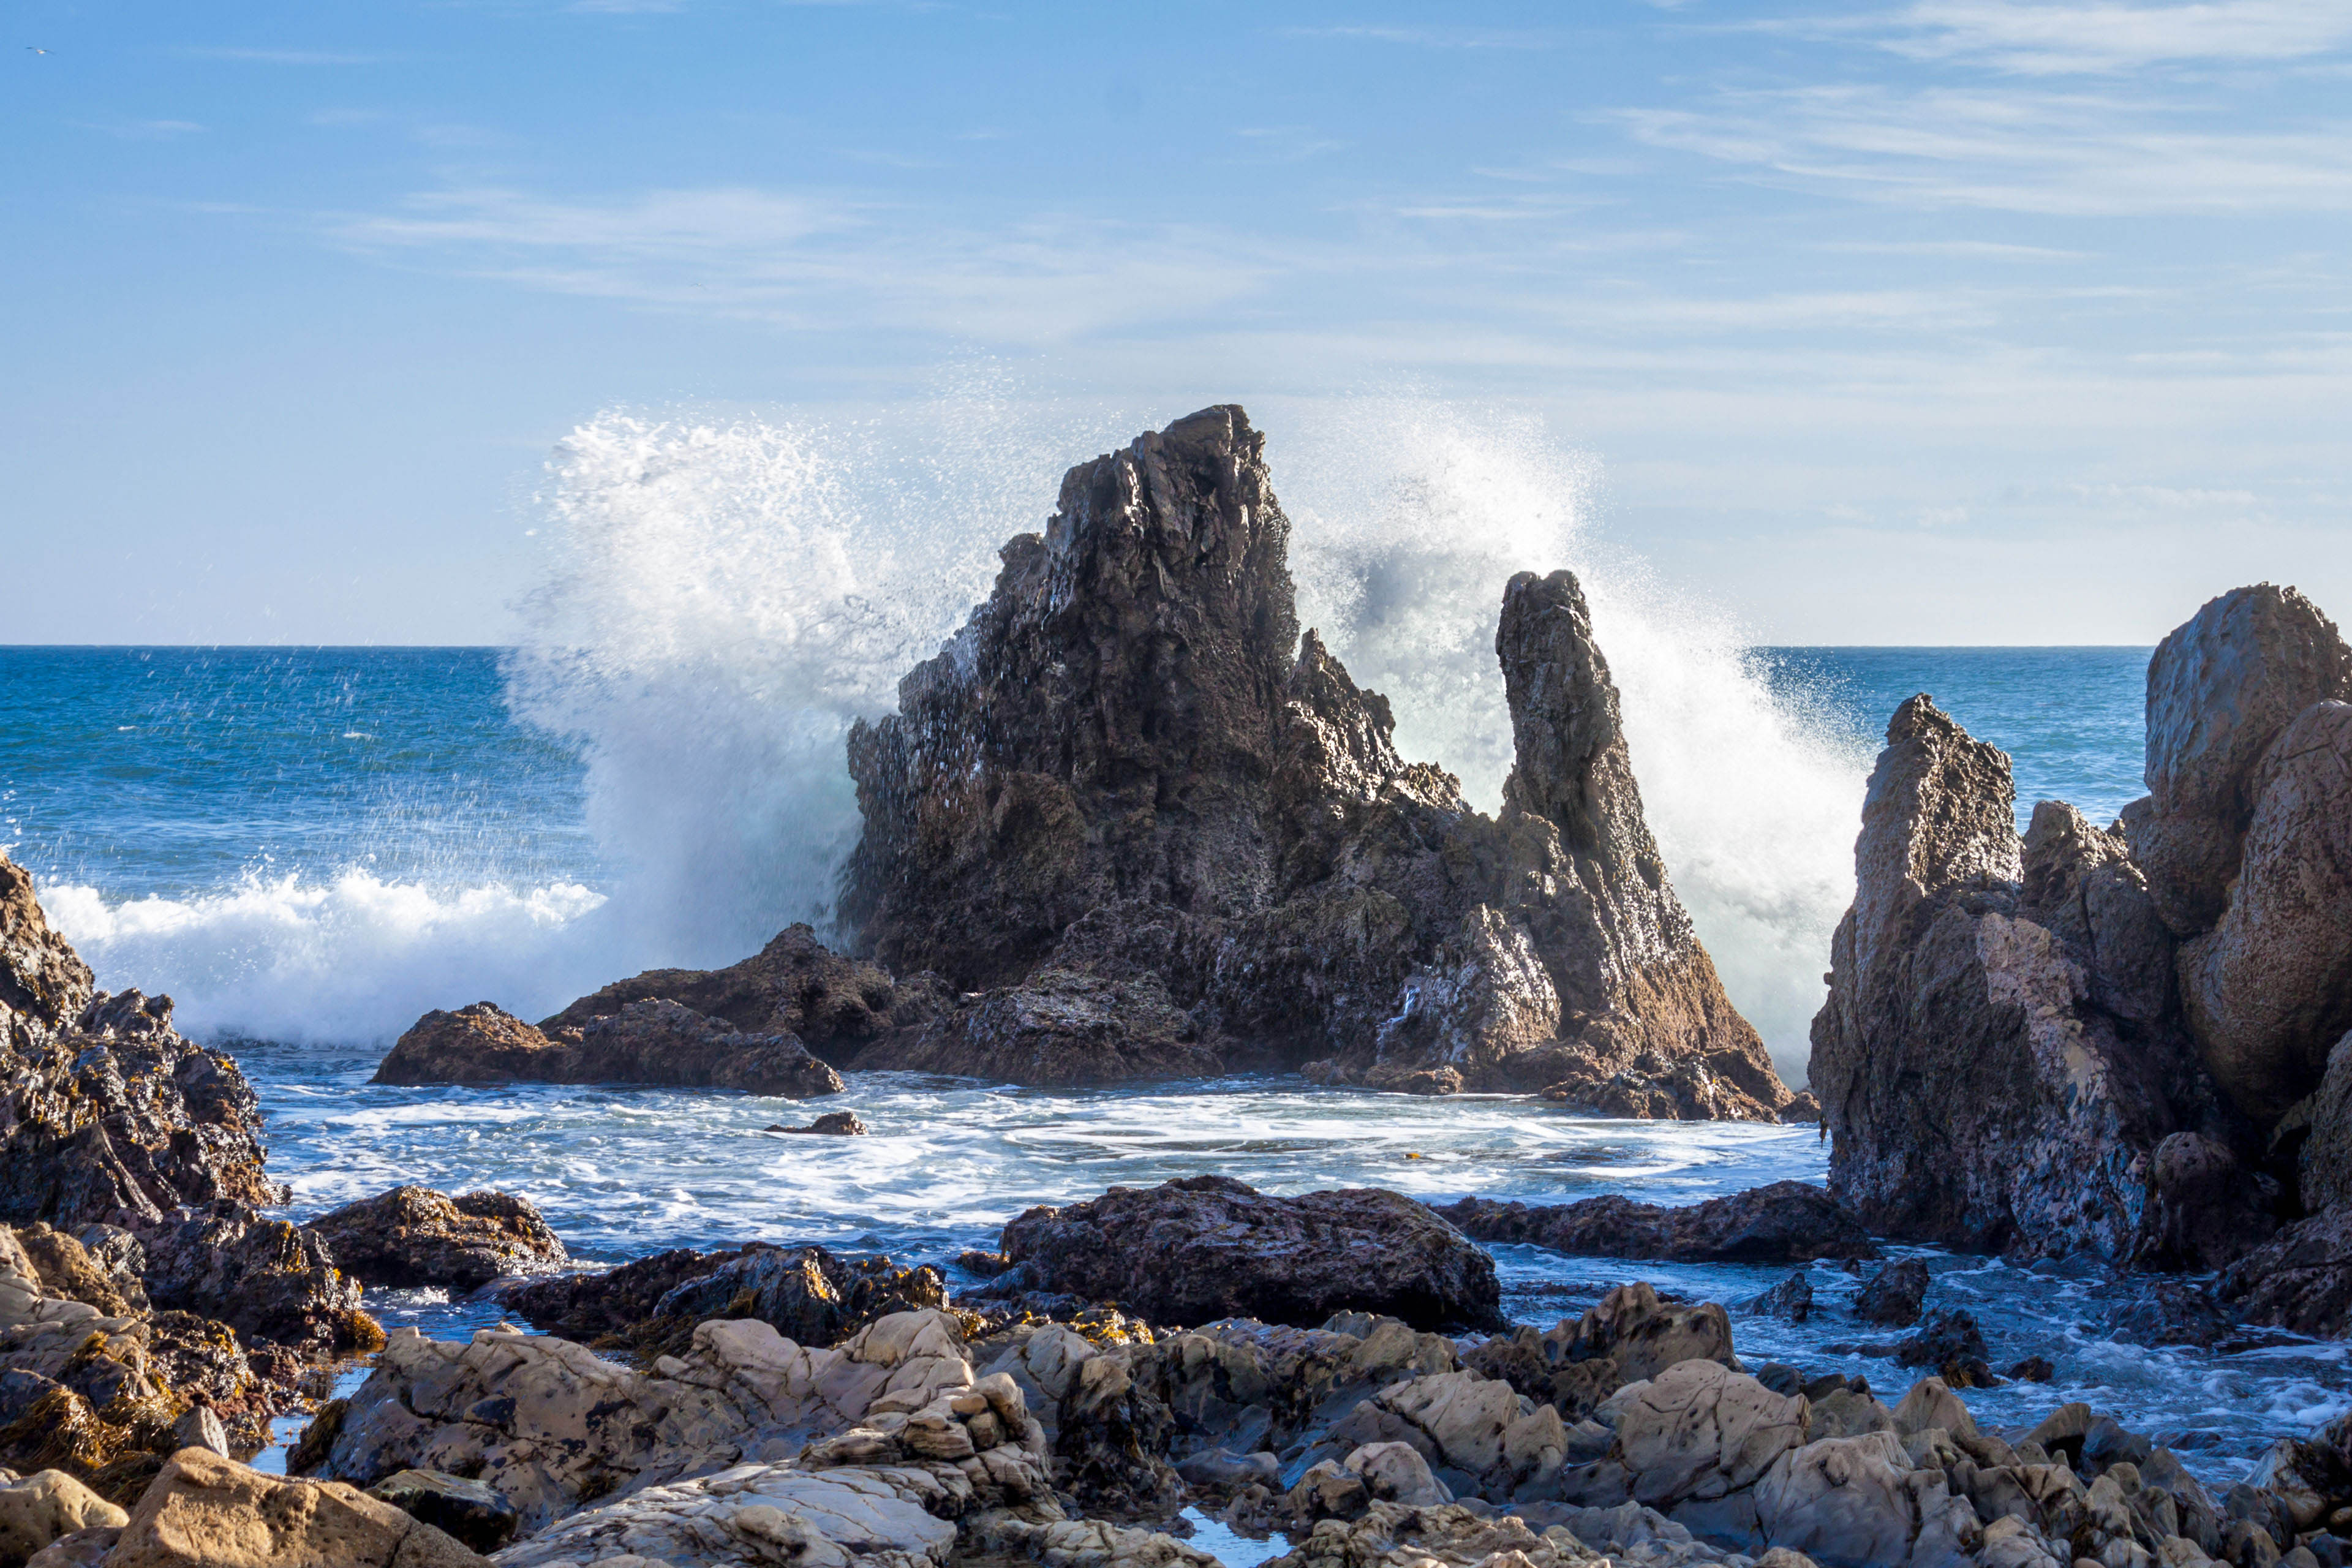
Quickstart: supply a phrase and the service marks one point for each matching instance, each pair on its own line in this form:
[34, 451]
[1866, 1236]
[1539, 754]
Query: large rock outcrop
[1203, 1247]
[1787, 1221]
[414, 1236]
[1130, 765]
[1999, 1056]
[647, 1041]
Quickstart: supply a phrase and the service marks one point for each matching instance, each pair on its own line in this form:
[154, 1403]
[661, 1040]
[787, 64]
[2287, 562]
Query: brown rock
[269, 1278]
[1787, 1221]
[204, 1511]
[44, 983]
[2219, 689]
[2269, 990]
[1203, 1247]
[652, 1042]
[414, 1236]
[480, 1044]
[2326, 1158]
[1057, 1029]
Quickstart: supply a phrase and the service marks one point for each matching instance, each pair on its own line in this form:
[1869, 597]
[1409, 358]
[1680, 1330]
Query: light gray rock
[1850, 1502]
[1699, 1430]
[1395, 1472]
[42, 1506]
[200, 1428]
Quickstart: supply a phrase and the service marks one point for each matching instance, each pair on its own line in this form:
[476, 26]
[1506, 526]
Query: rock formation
[1159, 828]
[414, 1236]
[654, 1303]
[1209, 1247]
[2111, 1040]
[649, 1041]
[1788, 1222]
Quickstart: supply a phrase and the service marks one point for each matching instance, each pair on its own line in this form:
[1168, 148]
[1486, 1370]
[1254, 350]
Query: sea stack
[1145, 827]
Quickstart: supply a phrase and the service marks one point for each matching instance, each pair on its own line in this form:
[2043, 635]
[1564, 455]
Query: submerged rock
[832, 1125]
[1894, 1295]
[1787, 1221]
[1208, 1247]
[650, 1042]
[1129, 766]
[414, 1236]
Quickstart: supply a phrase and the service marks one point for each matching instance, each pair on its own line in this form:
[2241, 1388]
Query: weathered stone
[467, 1511]
[269, 1278]
[1059, 1028]
[654, 1041]
[204, 1511]
[832, 1125]
[2301, 1279]
[2268, 990]
[655, 1304]
[1894, 1295]
[414, 1236]
[1787, 1221]
[2220, 690]
[1130, 765]
[1850, 1502]
[1975, 1090]
[39, 1509]
[1791, 1299]
[1699, 1430]
[794, 985]
[1204, 1247]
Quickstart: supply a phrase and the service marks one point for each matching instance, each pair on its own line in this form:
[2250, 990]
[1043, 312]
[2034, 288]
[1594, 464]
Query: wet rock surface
[654, 1303]
[654, 1041]
[414, 1236]
[1788, 1222]
[1204, 1247]
[1148, 820]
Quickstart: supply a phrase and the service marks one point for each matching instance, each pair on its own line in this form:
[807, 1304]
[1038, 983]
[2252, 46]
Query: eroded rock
[650, 1041]
[1787, 1221]
[414, 1236]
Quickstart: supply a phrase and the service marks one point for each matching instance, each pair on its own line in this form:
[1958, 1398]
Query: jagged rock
[550, 1427]
[1950, 1342]
[1059, 1028]
[2168, 1313]
[1628, 1337]
[1099, 1410]
[1240, 1385]
[205, 1512]
[2268, 990]
[1894, 1295]
[1787, 1221]
[67, 1271]
[2324, 1158]
[794, 985]
[2219, 689]
[414, 1236]
[654, 1304]
[652, 1041]
[1209, 1247]
[1976, 1088]
[1128, 764]
[1479, 1436]
[1791, 1299]
[2299, 1279]
[270, 1279]
[832, 1125]
[1454, 1535]
[1699, 1431]
[1851, 1502]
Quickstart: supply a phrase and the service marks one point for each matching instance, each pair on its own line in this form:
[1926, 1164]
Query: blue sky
[1950, 321]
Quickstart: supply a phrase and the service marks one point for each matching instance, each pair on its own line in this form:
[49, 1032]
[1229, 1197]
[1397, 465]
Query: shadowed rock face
[1121, 769]
[1787, 1221]
[1999, 1058]
[650, 1041]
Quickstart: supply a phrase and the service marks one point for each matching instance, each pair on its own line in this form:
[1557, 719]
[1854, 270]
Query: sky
[1936, 321]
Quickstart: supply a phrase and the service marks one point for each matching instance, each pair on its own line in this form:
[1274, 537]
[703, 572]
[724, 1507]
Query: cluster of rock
[2117, 1040]
[1131, 824]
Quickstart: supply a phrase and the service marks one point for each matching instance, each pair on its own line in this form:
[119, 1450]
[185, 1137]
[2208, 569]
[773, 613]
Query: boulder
[794, 985]
[1699, 1430]
[414, 1236]
[1791, 1299]
[1787, 1221]
[2324, 1159]
[39, 1509]
[1477, 1435]
[272, 1279]
[1856, 1502]
[1990, 1077]
[652, 1041]
[1059, 1028]
[467, 1511]
[2299, 1279]
[2268, 990]
[1894, 1295]
[1130, 765]
[655, 1304]
[1203, 1247]
[1629, 1337]
[205, 1512]
[832, 1125]
[2220, 690]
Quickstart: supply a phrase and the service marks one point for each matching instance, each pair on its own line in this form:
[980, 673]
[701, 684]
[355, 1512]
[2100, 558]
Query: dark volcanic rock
[414, 1236]
[1895, 1295]
[1950, 1342]
[1997, 1060]
[1204, 1247]
[2169, 1313]
[2299, 1279]
[1791, 1299]
[794, 985]
[1130, 765]
[832, 1125]
[812, 1297]
[470, 1511]
[269, 1278]
[1787, 1221]
[650, 1042]
[1059, 1028]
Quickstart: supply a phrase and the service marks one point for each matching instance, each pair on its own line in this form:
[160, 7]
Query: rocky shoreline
[1133, 823]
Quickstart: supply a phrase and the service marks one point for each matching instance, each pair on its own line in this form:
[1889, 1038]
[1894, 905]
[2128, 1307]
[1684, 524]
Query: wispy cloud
[819, 260]
[2071, 154]
[2103, 36]
[285, 57]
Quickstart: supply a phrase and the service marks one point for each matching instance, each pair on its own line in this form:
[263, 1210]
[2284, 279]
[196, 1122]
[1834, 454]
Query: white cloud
[2106, 37]
[2069, 154]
